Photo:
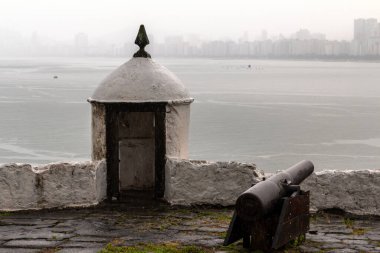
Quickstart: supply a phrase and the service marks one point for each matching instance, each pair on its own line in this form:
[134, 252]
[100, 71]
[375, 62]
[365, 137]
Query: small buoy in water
[249, 66]
[55, 77]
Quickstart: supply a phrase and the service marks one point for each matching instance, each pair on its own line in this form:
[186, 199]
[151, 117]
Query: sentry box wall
[140, 115]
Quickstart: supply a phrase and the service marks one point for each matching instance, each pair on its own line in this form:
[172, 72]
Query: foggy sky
[219, 19]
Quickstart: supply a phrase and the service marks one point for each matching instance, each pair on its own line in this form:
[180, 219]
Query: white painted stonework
[354, 191]
[53, 185]
[189, 182]
[177, 130]
[220, 183]
[141, 80]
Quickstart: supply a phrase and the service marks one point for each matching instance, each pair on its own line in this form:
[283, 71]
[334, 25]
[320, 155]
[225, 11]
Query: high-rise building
[365, 32]
[359, 29]
[81, 44]
[365, 29]
[302, 34]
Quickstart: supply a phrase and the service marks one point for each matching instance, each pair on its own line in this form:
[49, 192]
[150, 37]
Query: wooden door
[136, 133]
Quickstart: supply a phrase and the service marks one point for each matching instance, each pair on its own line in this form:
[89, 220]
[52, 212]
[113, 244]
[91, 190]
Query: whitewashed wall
[53, 185]
[187, 182]
[177, 130]
[220, 183]
[353, 191]
[190, 182]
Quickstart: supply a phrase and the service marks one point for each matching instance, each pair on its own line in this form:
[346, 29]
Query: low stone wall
[220, 183]
[353, 191]
[191, 182]
[53, 185]
[187, 182]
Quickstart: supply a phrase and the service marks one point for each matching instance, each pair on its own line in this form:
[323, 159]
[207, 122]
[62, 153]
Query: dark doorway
[136, 148]
[136, 152]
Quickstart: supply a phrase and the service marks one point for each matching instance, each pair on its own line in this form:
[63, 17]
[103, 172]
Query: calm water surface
[273, 114]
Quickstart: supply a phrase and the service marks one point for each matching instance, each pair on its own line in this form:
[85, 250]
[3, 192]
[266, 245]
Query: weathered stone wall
[98, 132]
[187, 182]
[190, 182]
[53, 185]
[177, 130]
[354, 191]
[220, 183]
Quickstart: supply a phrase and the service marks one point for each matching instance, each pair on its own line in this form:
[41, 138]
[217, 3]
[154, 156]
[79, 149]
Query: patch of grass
[359, 231]
[4, 214]
[234, 248]
[355, 231]
[313, 219]
[222, 235]
[297, 242]
[50, 250]
[153, 248]
[292, 251]
[293, 245]
[376, 243]
[216, 216]
[348, 222]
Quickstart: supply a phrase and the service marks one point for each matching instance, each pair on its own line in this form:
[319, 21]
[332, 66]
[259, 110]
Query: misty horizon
[211, 20]
[302, 43]
[128, 34]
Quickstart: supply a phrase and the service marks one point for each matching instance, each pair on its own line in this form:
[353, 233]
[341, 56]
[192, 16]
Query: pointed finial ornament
[142, 40]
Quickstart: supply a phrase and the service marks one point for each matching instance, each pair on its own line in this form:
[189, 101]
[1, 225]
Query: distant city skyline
[365, 42]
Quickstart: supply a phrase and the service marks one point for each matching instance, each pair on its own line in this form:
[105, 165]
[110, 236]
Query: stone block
[18, 187]
[53, 185]
[190, 182]
[353, 191]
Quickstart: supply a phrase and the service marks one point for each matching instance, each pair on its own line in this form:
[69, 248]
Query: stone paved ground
[89, 230]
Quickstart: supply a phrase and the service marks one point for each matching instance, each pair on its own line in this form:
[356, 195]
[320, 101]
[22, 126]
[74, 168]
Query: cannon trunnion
[272, 212]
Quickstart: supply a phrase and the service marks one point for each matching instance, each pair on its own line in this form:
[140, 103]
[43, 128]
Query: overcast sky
[61, 19]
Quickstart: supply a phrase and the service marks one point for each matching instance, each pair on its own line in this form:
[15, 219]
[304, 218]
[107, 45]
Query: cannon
[272, 212]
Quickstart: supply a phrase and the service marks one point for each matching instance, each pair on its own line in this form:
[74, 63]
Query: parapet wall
[187, 182]
[353, 191]
[53, 185]
[220, 183]
[191, 182]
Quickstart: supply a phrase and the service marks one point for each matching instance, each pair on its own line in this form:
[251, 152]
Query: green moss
[152, 248]
[313, 219]
[222, 234]
[50, 250]
[355, 231]
[217, 216]
[3, 214]
[376, 243]
[359, 231]
[234, 248]
[348, 222]
[297, 242]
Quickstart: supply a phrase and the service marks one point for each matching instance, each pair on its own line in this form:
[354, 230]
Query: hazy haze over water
[274, 114]
[118, 20]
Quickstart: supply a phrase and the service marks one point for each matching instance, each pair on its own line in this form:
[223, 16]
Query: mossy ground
[153, 248]
[4, 214]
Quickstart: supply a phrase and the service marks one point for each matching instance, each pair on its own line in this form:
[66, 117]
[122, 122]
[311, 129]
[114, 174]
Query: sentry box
[140, 115]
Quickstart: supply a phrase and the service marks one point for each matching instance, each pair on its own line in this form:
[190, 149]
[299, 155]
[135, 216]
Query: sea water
[272, 113]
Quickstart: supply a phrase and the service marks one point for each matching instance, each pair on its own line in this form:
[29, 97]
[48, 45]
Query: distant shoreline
[374, 59]
[300, 58]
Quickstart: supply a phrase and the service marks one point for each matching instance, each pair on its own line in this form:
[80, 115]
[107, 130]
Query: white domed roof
[141, 80]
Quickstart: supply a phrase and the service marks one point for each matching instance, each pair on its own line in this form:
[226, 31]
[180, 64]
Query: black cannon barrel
[261, 198]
